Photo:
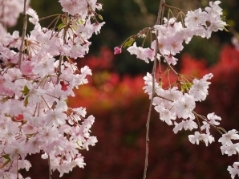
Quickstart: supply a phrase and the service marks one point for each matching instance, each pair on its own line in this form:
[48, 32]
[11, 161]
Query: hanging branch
[59, 69]
[61, 57]
[24, 30]
[158, 21]
[49, 168]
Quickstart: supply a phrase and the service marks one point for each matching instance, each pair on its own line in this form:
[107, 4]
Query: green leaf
[26, 101]
[25, 90]
[100, 17]
[185, 86]
[129, 42]
[6, 156]
[80, 21]
[8, 159]
[60, 26]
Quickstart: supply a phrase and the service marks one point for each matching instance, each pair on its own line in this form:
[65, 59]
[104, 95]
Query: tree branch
[24, 30]
[49, 163]
[158, 21]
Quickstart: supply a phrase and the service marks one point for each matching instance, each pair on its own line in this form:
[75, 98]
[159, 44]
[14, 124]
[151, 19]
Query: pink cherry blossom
[227, 137]
[34, 114]
[234, 170]
[184, 106]
[141, 53]
[199, 89]
[189, 124]
[213, 119]
[197, 137]
[165, 115]
[34, 17]
[230, 150]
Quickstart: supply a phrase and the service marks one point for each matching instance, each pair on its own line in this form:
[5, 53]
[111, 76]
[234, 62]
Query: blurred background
[115, 97]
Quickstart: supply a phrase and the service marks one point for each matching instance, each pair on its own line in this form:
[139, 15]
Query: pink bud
[117, 50]
[19, 117]
[64, 86]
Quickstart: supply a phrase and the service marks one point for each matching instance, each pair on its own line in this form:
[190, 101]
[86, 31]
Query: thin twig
[142, 6]
[61, 57]
[159, 17]
[43, 18]
[59, 69]
[17, 168]
[219, 129]
[160, 12]
[49, 163]
[176, 73]
[172, 7]
[24, 30]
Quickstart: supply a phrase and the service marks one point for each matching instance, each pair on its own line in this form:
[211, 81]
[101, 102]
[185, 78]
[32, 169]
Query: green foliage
[129, 42]
[25, 90]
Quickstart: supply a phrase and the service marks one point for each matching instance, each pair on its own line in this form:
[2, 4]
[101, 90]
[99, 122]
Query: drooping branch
[24, 30]
[158, 21]
[49, 166]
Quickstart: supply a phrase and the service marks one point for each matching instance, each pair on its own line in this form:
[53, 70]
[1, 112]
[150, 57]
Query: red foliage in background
[120, 107]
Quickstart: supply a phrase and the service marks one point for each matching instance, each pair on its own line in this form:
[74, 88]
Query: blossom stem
[172, 7]
[171, 68]
[158, 21]
[145, 37]
[49, 163]
[198, 122]
[59, 69]
[24, 30]
[61, 60]
[53, 15]
[17, 168]
[218, 129]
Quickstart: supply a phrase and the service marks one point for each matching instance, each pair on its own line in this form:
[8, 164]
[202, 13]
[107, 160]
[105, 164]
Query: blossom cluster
[36, 81]
[176, 102]
[173, 103]
[172, 34]
[10, 12]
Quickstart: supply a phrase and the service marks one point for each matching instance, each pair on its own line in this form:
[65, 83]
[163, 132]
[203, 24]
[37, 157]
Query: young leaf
[129, 42]
[60, 26]
[25, 90]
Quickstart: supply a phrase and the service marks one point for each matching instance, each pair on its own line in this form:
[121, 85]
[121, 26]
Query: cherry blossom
[141, 53]
[35, 117]
[213, 119]
[227, 137]
[165, 114]
[234, 170]
[38, 78]
[230, 149]
[184, 106]
[11, 12]
[189, 124]
[199, 89]
[176, 101]
[197, 137]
